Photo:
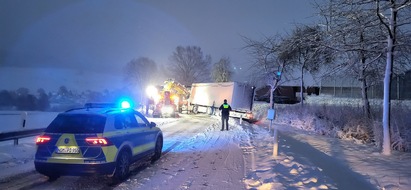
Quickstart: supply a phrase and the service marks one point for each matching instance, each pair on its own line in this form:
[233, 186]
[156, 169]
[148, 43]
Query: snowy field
[13, 120]
[305, 161]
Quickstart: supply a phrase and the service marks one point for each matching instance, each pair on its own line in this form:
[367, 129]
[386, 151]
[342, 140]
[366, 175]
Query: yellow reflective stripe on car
[121, 132]
[142, 148]
[110, 152]
[71, 143]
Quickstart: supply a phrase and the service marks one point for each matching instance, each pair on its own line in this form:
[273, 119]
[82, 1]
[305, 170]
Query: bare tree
[222, 70]
[392, 14]
[189, 65]
[305, 52]
[270, 61]
[139, 73]
[368, 29]
[355, 33]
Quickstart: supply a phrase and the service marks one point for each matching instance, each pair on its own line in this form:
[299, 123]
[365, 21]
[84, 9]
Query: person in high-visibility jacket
[225, 114]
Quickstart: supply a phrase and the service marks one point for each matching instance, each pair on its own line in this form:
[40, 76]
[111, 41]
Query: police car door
[149, 133]
[133, 134]
[125, 130]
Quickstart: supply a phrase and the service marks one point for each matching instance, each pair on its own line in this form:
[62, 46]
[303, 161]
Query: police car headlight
[167, 110]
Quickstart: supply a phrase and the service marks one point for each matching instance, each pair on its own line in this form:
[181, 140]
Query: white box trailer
[240, 96]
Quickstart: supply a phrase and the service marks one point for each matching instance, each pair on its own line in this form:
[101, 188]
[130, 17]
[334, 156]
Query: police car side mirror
[152, 124]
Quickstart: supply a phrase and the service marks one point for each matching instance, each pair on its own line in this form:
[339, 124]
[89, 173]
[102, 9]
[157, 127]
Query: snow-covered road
[210, 159]
[197, 155]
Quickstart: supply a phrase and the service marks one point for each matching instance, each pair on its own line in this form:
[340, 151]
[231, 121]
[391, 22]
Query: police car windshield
[76, 123]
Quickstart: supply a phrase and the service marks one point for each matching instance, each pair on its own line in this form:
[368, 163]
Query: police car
[97, 139]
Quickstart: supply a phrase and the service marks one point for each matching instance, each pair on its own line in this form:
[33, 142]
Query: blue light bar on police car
[125, 104]
[100, 105]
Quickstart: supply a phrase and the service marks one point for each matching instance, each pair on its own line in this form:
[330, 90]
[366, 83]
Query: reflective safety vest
[225, 106]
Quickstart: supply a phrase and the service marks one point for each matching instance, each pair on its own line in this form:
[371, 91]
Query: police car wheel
[157, 149]
[122, 166]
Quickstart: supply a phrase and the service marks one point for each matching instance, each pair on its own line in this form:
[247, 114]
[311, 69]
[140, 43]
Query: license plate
[68, 150]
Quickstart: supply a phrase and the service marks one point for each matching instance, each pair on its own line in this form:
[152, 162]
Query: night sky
[85, 44]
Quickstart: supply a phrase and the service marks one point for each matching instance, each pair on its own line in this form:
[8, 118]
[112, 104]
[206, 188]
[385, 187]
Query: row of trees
[21, 99]
[187, 65]
[365, 39]
[63, 99]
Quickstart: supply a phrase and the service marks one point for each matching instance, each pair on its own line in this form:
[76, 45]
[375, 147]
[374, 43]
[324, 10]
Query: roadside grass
[344, 119]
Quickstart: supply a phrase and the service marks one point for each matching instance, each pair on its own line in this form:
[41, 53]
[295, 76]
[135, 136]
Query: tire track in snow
[207, 160]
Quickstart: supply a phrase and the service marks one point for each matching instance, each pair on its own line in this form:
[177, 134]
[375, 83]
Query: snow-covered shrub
[344, 119]
[358, 130]
[260, 110]
[401, 128]
[341, 121]
[377, 133]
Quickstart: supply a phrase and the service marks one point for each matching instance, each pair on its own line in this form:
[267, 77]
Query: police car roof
[99, 109]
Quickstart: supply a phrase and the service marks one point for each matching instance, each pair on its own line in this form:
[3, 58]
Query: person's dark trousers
[224, 119]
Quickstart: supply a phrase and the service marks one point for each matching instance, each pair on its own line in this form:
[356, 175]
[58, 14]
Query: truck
[171, 98]
[207, 97]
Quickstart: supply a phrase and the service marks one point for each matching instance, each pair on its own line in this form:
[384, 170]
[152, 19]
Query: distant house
[342, 86]
[338, 86]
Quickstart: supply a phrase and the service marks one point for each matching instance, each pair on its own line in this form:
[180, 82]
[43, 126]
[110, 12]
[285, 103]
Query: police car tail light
[42, 140]
[98, 141]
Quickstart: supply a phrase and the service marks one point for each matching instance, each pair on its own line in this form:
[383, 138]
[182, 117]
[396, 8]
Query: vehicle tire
[195, 109]
[158, 149]
[122, 166]
[52, 177]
